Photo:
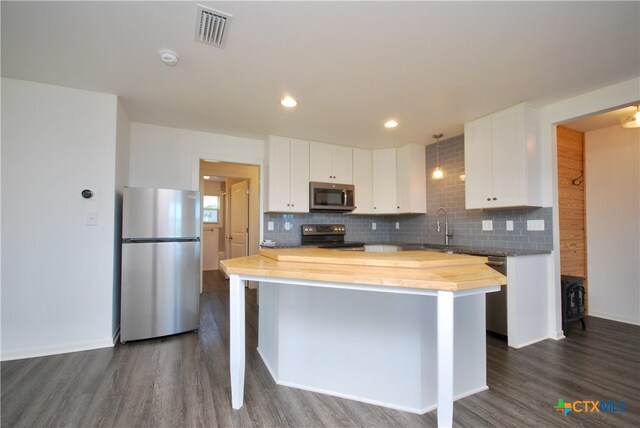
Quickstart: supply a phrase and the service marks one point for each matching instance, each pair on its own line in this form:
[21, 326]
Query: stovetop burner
[327, 236]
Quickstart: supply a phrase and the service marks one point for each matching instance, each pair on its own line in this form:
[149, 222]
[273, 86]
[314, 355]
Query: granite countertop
[460, 249]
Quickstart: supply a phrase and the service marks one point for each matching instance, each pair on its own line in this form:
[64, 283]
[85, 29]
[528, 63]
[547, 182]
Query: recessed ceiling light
[168, 57]
[288, 102]
[390, 124]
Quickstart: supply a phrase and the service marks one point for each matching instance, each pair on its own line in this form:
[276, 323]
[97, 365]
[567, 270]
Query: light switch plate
[92, 218]
[287, 225]
[373, 226]
[509, 225]
[487, 224]
[269, 225]
[397, 225]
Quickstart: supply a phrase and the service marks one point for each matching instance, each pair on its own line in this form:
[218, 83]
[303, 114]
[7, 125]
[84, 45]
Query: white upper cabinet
[363, 181]
[502, 160]
[329, 163]
[384, 182]
[411, 182]
[287, 175]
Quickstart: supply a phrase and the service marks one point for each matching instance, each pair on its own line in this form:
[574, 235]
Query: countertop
[415, 269]
[458, 249]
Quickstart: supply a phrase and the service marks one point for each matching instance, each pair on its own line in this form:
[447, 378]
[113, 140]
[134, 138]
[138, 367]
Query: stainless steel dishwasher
[497, 302]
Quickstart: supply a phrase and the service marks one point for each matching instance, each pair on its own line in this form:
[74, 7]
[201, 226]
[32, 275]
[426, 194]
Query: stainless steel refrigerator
[160, 292]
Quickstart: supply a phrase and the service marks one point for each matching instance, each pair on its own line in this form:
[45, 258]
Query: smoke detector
[211, 26]
[168, 57]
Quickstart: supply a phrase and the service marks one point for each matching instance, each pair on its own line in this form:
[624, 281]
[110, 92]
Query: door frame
[241, 167]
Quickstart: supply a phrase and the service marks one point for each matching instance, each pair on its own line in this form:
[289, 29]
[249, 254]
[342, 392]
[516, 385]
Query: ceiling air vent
[211, 26]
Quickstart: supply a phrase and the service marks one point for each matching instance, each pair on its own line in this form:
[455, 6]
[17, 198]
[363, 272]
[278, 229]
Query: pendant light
[632, 121]
[438, 173]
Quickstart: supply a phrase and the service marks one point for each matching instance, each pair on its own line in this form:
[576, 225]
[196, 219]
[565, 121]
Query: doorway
[233, 229]
[605, 185]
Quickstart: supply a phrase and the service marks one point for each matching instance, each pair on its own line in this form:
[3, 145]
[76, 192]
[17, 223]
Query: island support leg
[445, 358]
[237, 340]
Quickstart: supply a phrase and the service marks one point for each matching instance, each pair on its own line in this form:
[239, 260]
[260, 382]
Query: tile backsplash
[465, 225]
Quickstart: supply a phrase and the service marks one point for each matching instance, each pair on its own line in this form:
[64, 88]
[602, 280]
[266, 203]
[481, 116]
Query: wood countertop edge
[446, 278]
[405, 259]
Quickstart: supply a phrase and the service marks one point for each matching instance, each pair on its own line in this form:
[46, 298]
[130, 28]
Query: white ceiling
[350, 65]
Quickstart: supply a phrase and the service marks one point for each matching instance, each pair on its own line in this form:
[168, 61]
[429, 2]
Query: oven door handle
[344, 198]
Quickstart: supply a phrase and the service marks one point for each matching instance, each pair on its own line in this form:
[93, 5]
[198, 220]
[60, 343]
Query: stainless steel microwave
[331, 197]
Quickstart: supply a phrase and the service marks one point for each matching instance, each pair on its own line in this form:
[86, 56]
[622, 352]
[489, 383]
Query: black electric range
[328, 236]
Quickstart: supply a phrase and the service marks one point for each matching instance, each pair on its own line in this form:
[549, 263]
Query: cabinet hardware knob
[495, 199]
[488, 199]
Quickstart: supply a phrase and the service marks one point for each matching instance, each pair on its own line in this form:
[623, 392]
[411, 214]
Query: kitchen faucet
[447, 235]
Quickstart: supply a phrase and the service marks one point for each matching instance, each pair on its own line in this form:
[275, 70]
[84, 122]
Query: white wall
[57, 277]
[597, 101]
[169, 157]
[612, 168]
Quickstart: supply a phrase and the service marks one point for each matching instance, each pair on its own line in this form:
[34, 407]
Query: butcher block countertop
[410, 269]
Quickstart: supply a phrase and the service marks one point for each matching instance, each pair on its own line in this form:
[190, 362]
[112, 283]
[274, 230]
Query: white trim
[530, 342]
[20, 354]
[600, 100]
[613, 317]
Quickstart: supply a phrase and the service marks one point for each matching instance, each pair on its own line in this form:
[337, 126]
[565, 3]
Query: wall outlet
[373, 226]
[287, 225]
[487, 224]
[269, 225]
[397, 225]
[536, 225]
[509, 225]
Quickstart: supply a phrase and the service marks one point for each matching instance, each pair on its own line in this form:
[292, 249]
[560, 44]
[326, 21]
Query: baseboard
[530, 342]
[612, 317]
[54, 350]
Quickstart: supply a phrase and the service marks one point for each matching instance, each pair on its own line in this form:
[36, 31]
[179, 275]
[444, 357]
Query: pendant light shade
[438, 172]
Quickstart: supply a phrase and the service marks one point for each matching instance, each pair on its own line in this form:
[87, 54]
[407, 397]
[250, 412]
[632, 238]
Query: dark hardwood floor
[183, 381]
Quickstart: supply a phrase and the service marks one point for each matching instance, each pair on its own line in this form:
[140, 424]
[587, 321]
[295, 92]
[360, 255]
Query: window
[211, 209]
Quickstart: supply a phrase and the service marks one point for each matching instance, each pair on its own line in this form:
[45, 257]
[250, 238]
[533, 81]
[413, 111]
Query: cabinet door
[478, 162]
[363, 181]
[411, 179]
[508, 150]
[384, 181]
[299, 176]
[342, 164]
[278, 174]
[320, 163]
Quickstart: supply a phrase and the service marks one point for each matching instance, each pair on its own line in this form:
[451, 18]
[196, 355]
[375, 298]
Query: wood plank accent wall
[571, 204]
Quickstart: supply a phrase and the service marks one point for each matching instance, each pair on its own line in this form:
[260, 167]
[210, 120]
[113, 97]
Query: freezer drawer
[160, 289]
[160, 213]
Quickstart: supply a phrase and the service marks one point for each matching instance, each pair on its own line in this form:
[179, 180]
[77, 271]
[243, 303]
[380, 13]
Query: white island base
[374, 347]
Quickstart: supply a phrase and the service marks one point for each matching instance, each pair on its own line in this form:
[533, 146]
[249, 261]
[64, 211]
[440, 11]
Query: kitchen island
[404, 330]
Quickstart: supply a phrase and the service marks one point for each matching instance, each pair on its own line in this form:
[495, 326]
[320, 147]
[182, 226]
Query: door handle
[229, 237]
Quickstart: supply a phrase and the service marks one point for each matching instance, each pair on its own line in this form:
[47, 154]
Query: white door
[239, 219]
[210, 248]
